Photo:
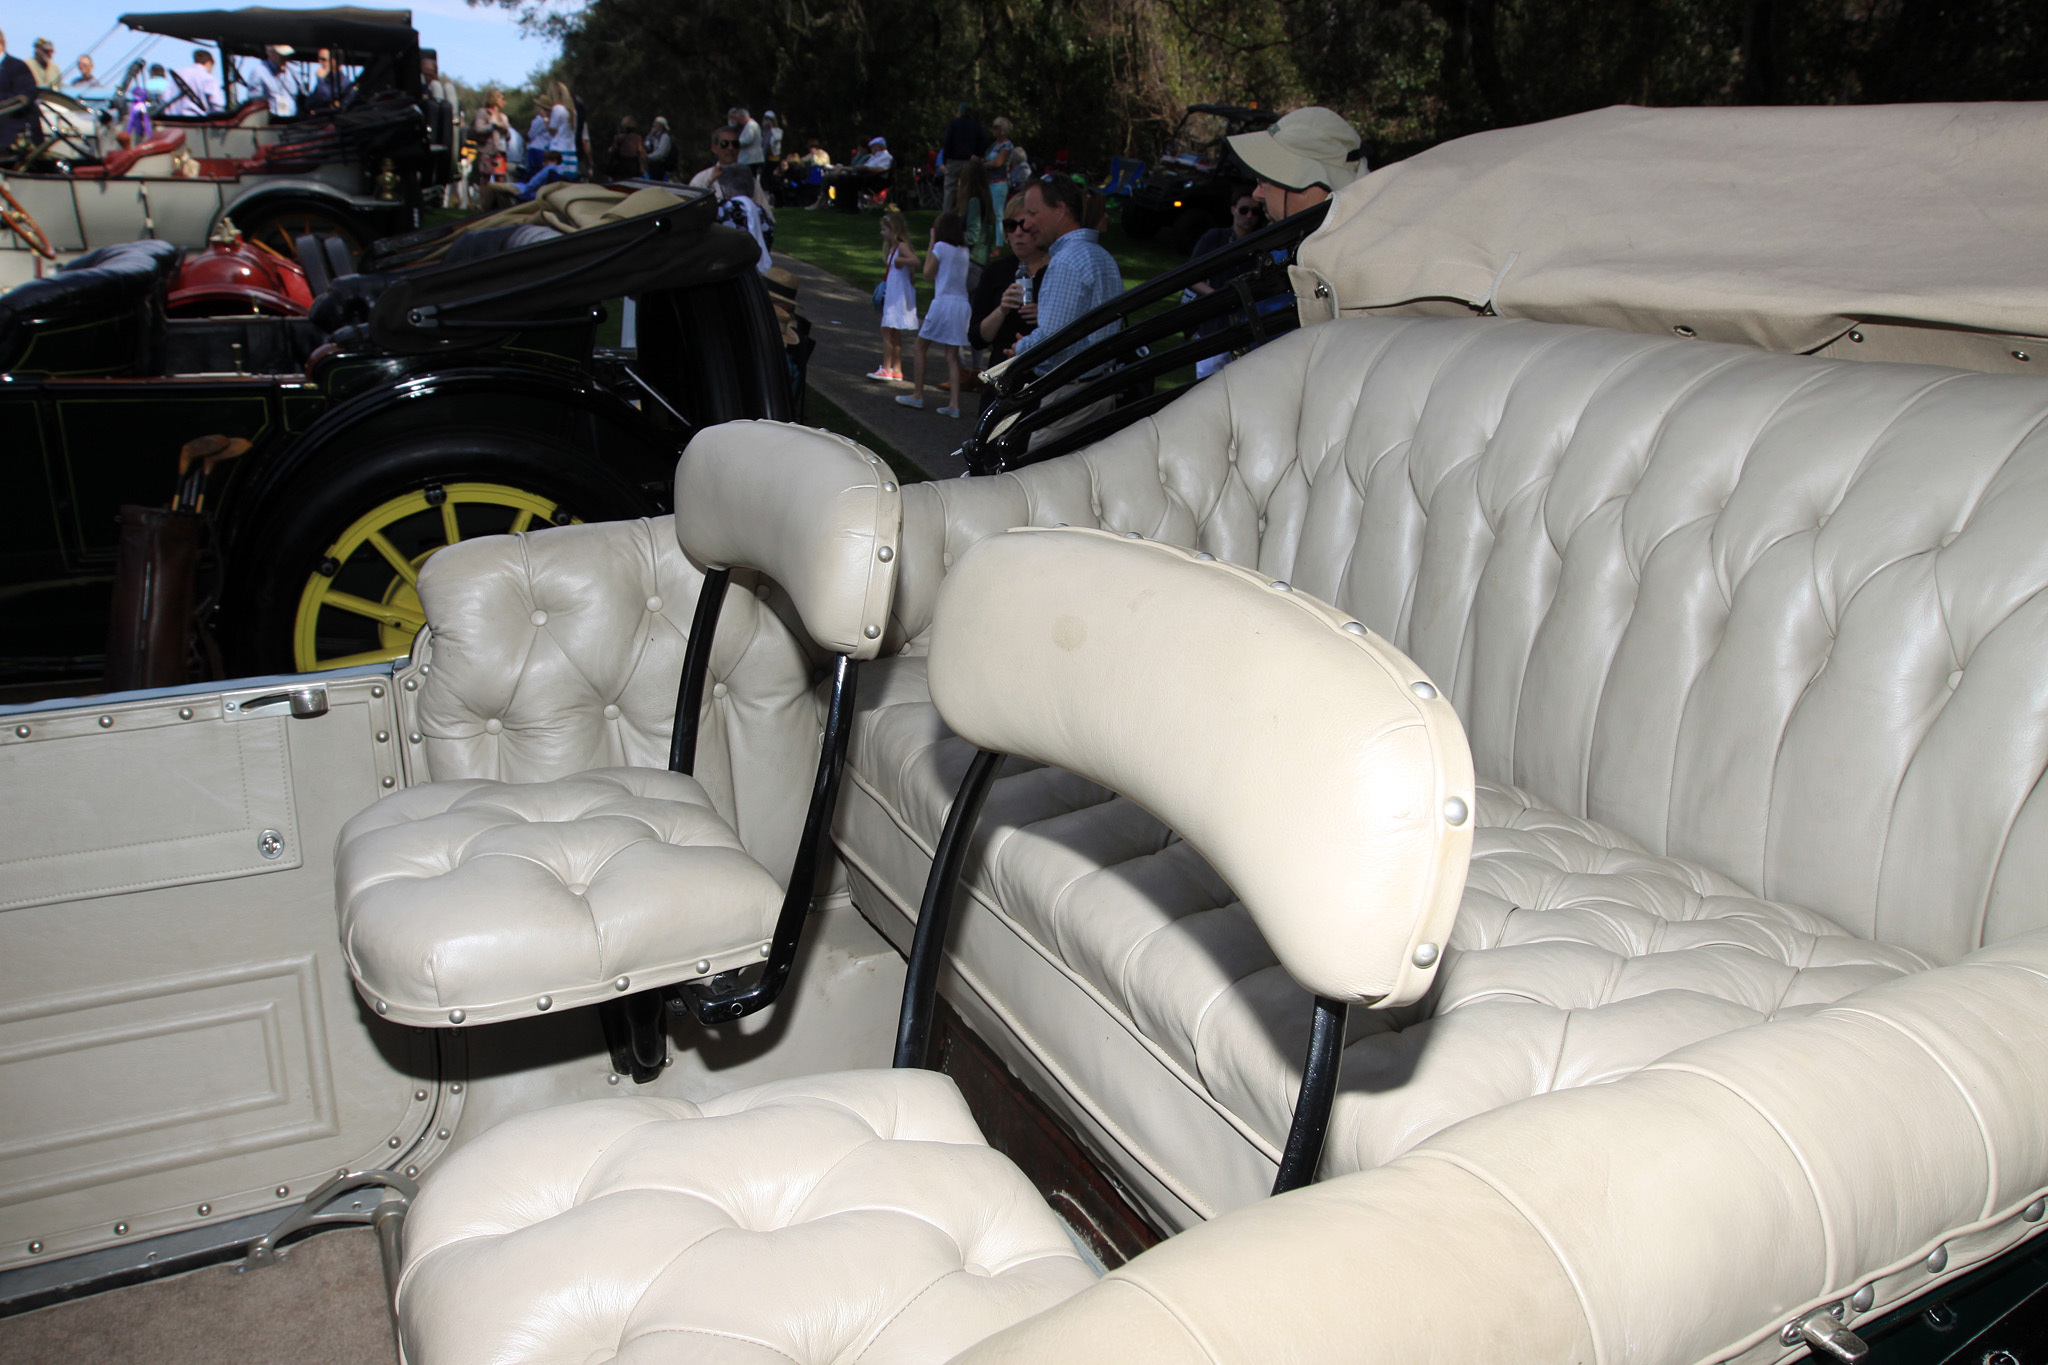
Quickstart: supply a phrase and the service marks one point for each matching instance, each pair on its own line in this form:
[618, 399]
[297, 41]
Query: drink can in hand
[1029, 288]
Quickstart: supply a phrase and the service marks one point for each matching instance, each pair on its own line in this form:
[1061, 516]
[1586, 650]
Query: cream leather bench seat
[1748, 646]
[860, 1215]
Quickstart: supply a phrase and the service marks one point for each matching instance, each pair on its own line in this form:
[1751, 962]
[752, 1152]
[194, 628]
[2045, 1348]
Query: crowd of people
[1048, 269]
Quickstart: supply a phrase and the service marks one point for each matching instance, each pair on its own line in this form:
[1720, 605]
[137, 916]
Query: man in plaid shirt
[1079, 274]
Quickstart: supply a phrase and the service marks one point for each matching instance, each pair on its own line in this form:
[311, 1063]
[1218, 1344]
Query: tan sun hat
[1312, 146]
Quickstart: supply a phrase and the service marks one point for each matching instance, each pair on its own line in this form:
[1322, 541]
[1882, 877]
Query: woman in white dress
[945, 322]
[900, 261]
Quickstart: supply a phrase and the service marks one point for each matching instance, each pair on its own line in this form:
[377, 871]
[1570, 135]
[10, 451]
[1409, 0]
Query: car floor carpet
[323, 1305]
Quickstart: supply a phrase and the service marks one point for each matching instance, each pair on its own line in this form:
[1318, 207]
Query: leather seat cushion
[485, 896]
[857, 1216]
[1576, 957]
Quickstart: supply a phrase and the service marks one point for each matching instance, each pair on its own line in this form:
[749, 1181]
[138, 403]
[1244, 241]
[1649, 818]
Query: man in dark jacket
[964, 142]
[16, 81]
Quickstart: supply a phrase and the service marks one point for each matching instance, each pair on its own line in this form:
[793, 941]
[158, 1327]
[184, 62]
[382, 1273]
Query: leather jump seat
[120, 288]
[861, 1215]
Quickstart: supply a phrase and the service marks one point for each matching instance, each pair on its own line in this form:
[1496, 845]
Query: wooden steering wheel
[25, 227]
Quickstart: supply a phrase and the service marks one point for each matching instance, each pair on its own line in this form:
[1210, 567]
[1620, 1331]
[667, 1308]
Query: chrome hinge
[303, 702]
[1826, 1333]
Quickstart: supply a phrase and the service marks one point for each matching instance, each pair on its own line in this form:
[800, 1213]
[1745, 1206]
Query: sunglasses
[1012, 224]
[725, 142]
[1248, 210]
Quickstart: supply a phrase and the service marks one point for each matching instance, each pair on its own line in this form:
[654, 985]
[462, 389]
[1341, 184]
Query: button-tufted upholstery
[488, 896]
[1747, 647]
[856, 1216]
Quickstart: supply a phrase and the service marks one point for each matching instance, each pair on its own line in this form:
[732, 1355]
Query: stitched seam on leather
[906, 1305]
[1528, 1215]
[1144, 1158]
[705, 1332]
[1991, 1177]
[1194, 1083]
[1830, 1241]
[1180, 1320]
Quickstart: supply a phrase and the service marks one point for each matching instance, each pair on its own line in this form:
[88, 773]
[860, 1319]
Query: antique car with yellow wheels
[454, 389]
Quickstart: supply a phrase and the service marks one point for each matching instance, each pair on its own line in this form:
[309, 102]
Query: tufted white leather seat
[592, 880]
[859, 1216]
[856, 1216]
[472, 901]
[1744, 643]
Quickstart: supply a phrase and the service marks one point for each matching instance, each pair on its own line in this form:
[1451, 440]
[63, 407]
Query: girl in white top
[945, 323]
[562, 125]
[899, 292]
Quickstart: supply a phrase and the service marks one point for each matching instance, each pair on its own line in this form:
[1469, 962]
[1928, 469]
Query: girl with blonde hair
[900, 263]
[562, 125]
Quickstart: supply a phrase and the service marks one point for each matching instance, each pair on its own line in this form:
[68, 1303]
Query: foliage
[1100, 77]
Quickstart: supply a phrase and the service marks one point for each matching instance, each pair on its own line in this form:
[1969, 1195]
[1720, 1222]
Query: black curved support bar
[722, 999]
[1304, 1150]
[682, 743]
[941, 888]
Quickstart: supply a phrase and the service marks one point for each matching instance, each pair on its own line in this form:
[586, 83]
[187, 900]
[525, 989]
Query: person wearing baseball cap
[1302, 160]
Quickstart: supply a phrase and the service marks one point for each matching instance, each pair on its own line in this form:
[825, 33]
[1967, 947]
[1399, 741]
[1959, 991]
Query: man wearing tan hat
[1302, 160]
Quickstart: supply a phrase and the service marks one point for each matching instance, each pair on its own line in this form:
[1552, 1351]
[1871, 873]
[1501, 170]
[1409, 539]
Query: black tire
[279, 222]
[291, 540]
[1140, 224]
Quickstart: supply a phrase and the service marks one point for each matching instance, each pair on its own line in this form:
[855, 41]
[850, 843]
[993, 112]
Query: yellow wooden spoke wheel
[362, 605]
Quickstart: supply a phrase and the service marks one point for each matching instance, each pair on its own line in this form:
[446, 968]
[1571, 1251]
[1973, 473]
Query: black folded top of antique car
[453, 387]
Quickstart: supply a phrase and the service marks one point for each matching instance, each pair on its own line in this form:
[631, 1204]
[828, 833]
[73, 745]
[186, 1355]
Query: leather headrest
[1313, 764]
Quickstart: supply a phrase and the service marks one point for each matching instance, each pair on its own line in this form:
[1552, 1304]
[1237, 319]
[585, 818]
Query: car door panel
[179, 1039]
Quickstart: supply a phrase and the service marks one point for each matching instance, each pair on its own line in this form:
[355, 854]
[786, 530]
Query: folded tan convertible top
[1795, 229]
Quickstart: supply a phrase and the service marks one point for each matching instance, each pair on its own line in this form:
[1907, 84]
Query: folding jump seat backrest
[475, 900]
[860, 1215]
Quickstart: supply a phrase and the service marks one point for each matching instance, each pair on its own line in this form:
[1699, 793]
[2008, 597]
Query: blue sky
[478, 45]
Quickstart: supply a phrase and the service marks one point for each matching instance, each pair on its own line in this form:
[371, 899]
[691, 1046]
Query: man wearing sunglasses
[725, 148]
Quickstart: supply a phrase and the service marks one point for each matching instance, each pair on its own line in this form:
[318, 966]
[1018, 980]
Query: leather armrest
[815, 512]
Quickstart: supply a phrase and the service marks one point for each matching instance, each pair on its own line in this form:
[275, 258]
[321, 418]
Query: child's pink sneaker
[885, 374]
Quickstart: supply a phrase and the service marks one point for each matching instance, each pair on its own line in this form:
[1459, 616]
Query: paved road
[849, 337]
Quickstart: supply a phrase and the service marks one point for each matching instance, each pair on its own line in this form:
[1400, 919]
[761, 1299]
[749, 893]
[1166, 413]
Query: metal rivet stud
[872, 632]
[1937, 1260]
[888, 487]
[1132, 535]
[1205, 556]
[703, 964]
[283, 1190]
[1354, 628]
[392, 1142]
[2032, 1212]
[612, 1079]
[1791, 1334]
[21, 732]
[205, 1209]
[621, 983]
[390, 781]
[412, 1171]
[456, 1016]
[1684, 330]
[383, 735]
[184, 713]
[106, 721]
[1855, 336]
[383, 1008]
[35, 1248]
[1279, 585]
[1322, 291]
[120, 1229]
[764, 953]
[885, 554]
[2021, 356]
[412, 684]
[1455, 810]
[377, 692]
[546, 1002]
[270, 844]
[455, 1089]
[1422, 690]
[413, 738]
[442, 1135]
[1863, 1298]
[419, 1094]
[1425, 954]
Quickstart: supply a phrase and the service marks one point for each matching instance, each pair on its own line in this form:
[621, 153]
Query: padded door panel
[195, 1044]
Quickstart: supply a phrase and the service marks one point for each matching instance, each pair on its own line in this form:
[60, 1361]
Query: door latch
[304, 703]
